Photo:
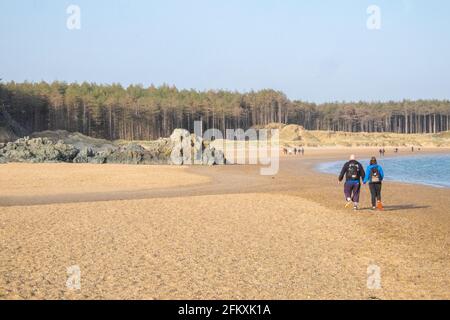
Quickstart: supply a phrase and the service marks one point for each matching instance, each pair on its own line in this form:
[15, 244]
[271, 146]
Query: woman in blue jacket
[375, 176]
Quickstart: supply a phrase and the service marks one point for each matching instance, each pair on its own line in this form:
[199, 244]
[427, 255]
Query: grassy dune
[294, 135]
[321, 138]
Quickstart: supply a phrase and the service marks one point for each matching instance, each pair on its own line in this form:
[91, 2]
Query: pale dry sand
[238, 236]
[23, 179]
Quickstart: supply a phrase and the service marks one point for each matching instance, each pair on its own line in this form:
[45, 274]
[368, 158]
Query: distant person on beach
[381, 152]
[374, 176]
[353, 172]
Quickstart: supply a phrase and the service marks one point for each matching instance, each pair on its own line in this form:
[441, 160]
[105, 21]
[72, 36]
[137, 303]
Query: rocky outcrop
[213, 156]
[126, 154]
[37, 150]
[186, 149]
[130, 154]
[84, 156]
[181, 148]
[190, 149]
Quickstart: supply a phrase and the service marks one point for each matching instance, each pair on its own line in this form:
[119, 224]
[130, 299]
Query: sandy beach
[225, 232]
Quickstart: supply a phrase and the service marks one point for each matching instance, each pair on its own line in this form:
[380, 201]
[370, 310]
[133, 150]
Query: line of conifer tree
[145, 113]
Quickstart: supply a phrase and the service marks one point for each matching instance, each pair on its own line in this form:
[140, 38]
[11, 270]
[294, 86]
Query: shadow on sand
[405, 207]
[402, 207]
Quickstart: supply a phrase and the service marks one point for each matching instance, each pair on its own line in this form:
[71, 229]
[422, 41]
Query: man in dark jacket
[353, 171]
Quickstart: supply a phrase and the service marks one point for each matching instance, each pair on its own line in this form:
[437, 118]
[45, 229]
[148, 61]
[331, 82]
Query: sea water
[431, 170]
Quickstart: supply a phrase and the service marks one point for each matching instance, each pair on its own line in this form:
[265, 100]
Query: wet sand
[217, 233]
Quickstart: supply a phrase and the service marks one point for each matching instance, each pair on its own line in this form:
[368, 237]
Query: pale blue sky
[317, 50]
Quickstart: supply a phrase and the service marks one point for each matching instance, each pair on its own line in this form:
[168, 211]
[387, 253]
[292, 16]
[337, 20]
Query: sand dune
[295, 135]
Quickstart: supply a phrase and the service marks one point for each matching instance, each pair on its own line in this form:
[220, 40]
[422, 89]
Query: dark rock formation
[37, 150]
[181, 148]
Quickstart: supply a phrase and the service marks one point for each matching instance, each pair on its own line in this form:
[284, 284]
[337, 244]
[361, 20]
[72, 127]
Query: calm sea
[431, 170]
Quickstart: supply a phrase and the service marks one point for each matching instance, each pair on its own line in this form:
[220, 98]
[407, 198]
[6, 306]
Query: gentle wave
[430, 170]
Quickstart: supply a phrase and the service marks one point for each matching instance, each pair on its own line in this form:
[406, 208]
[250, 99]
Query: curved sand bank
[239, 236]
[24, 179]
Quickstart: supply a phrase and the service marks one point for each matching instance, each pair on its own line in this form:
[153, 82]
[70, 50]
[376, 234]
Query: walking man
[353, 172]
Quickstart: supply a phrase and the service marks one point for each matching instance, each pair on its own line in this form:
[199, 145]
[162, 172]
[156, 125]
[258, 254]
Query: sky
[316, 50]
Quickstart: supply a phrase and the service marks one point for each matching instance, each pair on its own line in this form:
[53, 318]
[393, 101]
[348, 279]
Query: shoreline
[318, 168]
[416, 188]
